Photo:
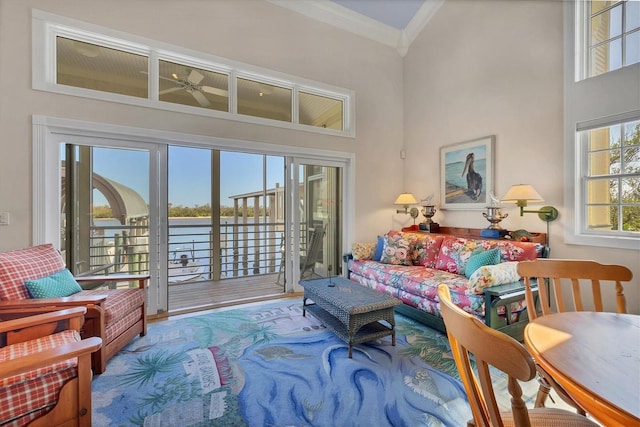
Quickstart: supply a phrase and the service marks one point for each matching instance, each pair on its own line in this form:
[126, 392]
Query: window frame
[583, 38]
[590, 103]
[46, 27]
[583, 151]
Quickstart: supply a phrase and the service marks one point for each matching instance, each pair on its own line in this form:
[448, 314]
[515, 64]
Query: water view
[245, 249]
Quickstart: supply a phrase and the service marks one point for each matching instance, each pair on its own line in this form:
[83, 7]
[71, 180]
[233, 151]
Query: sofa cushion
[363, 251]
[21, 265]
[424, 248]
[455, 253]
[493, 275]
[60, 284]
[379, 247]
[480, 258]
[515, 251]
[396, 250]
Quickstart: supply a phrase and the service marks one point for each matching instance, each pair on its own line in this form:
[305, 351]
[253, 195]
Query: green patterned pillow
[60, 284]
[477, 260]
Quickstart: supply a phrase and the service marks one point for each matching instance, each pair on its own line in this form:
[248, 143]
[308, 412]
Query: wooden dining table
[595, 357]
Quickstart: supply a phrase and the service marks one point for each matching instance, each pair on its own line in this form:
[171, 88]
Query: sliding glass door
[210, 225]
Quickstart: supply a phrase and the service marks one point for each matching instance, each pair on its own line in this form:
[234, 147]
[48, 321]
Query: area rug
[267, 365]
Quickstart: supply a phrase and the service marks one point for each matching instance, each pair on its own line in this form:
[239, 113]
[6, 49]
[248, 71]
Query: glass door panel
[192, 224]
[316, 236]
[105, 209]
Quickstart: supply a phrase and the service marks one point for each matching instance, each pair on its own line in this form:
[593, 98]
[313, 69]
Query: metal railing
[245, 249]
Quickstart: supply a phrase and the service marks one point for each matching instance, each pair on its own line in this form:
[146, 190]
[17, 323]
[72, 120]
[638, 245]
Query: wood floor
[189, 297]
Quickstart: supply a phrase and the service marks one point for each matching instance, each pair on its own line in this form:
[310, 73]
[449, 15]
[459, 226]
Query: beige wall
[496, 68]
[478, 68]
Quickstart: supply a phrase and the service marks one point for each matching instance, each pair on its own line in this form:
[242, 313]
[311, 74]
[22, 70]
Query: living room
[476, 69]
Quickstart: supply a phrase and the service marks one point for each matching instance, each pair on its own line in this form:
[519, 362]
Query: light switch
[4, 218]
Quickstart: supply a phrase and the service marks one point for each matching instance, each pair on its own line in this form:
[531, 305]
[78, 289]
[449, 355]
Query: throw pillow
[60, 284]
[455, 252]
[377, 256]
[395, 250]
[492, 275]
[425, 251]
[481, 258]
[363, 251]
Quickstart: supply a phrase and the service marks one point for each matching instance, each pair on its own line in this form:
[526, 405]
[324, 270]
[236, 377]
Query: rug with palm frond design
[267, 365]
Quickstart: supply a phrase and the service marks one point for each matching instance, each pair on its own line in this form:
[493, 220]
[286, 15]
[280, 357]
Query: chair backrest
[20, 265]
[313, 248]
[559, 272]
[469, 336]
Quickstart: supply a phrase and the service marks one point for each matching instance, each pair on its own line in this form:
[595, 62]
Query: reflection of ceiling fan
[192, 85]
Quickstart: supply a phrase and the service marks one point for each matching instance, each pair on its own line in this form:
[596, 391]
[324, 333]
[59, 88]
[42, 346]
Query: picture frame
[466, 174]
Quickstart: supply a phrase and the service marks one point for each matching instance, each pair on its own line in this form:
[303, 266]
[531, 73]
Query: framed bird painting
[466, 174]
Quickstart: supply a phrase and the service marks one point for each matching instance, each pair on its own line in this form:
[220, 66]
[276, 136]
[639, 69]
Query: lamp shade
[522, 192]
[406, 199]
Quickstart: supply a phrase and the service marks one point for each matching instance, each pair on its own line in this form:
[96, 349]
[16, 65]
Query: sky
[189, 173]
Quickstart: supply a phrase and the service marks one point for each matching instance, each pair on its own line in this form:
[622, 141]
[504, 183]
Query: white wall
[496, 68]
[255, 32]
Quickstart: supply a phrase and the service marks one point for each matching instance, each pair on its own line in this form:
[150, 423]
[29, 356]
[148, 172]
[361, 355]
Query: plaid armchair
[45, 370]
[114, 315]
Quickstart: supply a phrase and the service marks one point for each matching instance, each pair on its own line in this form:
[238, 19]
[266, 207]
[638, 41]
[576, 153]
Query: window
[76, 59]
[613, 35]
[612, 178]
[601, 121]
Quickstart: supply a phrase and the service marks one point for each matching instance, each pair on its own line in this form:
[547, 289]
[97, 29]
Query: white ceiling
[395, 23]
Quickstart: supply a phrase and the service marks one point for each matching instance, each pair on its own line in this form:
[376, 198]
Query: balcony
[240, 262]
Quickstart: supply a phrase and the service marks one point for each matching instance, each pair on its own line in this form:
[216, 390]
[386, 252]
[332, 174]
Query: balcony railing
[245, 249]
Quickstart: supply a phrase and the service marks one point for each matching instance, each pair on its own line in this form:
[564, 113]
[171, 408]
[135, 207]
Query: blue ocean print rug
[267, 365]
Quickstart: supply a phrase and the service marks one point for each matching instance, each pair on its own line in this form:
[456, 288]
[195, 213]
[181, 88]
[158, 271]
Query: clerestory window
[75, 59]
[611, 38]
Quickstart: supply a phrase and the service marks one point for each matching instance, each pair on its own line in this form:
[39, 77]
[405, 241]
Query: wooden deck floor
[188, 297]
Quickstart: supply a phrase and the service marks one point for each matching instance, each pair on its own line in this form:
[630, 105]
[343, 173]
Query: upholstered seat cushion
[37, 390]
[551, 417]
[16, 267]
[120, 309]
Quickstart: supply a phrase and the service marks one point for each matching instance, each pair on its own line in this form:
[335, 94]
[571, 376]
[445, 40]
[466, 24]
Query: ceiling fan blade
[214, 90]
[195, 77]
[199, 96]
[173, 89]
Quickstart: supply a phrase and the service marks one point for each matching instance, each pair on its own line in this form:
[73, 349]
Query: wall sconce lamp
[522, 194]
[406, 199]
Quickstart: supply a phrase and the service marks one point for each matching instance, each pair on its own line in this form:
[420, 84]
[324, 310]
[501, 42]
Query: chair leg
[280, 270]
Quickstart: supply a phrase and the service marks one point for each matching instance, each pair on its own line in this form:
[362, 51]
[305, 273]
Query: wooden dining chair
[572, 276]
[469, 337]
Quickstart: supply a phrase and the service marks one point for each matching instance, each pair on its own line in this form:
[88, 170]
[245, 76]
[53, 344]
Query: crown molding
[346, 19]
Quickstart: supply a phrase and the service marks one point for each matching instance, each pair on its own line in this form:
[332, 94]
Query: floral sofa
[481, 275]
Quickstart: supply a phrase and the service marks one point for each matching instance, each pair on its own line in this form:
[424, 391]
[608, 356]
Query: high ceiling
[395, 23]
[395, 13]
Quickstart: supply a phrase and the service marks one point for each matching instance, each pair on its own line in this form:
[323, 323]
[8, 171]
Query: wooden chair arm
[39, 319]
[72, 301]
[49, 357]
